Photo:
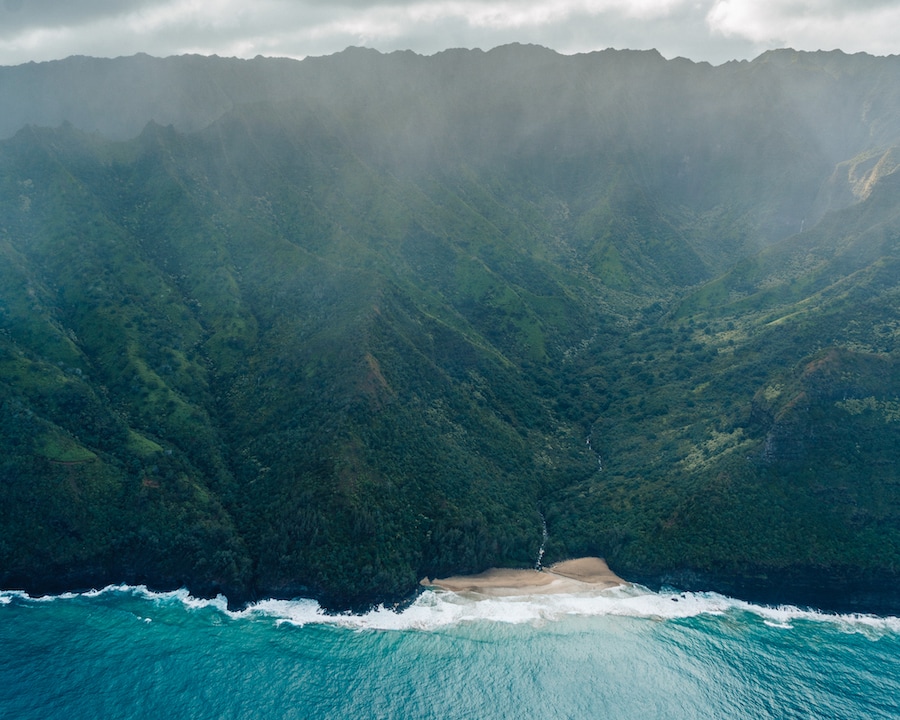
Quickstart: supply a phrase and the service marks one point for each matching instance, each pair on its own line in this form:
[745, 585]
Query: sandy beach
[569, 576]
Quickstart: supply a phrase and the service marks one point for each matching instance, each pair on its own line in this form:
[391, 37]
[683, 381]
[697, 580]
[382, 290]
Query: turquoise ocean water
[625, 653]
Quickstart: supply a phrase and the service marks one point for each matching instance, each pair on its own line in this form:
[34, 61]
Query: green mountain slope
[752, 445]
[347, 402]
[362, 319]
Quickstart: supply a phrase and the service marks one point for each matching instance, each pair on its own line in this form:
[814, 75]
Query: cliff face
[349, 322]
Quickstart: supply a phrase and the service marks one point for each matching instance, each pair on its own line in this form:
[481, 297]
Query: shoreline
[569, 576]
[812, 588]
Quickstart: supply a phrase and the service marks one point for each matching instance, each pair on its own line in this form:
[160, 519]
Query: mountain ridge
[329, 345]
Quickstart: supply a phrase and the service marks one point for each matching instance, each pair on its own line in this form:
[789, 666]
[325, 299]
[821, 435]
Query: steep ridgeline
[325, 327]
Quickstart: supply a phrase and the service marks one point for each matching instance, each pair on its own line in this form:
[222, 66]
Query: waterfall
[538, 565]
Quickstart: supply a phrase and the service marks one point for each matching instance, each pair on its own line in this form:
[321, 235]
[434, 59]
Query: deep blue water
[623, 653]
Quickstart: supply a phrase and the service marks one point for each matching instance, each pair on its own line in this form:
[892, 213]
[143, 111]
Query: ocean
[126, 652]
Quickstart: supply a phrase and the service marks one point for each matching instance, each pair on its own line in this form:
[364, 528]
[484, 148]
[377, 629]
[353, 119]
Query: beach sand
[570, 576]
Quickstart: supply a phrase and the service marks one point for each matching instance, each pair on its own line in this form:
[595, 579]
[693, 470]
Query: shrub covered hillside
[326, 327]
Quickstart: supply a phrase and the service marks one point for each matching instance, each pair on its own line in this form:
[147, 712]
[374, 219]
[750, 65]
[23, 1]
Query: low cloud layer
[713, 30]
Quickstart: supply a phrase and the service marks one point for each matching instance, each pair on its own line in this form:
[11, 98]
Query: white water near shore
[621, 652]
[437, 608]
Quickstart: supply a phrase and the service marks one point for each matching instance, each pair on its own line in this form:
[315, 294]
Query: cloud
[388, 21]
[851, 25]
[715, 30]
[30, 29]
[19, 15]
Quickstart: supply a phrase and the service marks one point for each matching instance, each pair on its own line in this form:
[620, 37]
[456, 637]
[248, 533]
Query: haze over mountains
[327, 327]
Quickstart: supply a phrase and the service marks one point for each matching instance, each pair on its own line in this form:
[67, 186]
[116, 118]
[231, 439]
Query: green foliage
[303, 350]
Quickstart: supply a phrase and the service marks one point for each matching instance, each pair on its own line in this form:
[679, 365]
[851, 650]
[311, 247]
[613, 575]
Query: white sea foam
[435, 609]
[784, 616]
[182, 596]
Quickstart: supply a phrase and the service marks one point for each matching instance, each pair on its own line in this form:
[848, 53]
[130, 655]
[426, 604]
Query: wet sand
[569, 576]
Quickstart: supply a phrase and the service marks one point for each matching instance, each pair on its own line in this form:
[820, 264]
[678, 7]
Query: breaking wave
[434, 609]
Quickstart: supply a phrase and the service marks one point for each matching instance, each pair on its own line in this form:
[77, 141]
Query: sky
[712, 30]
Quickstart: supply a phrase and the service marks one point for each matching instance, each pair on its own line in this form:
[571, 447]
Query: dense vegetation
[337, 325]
